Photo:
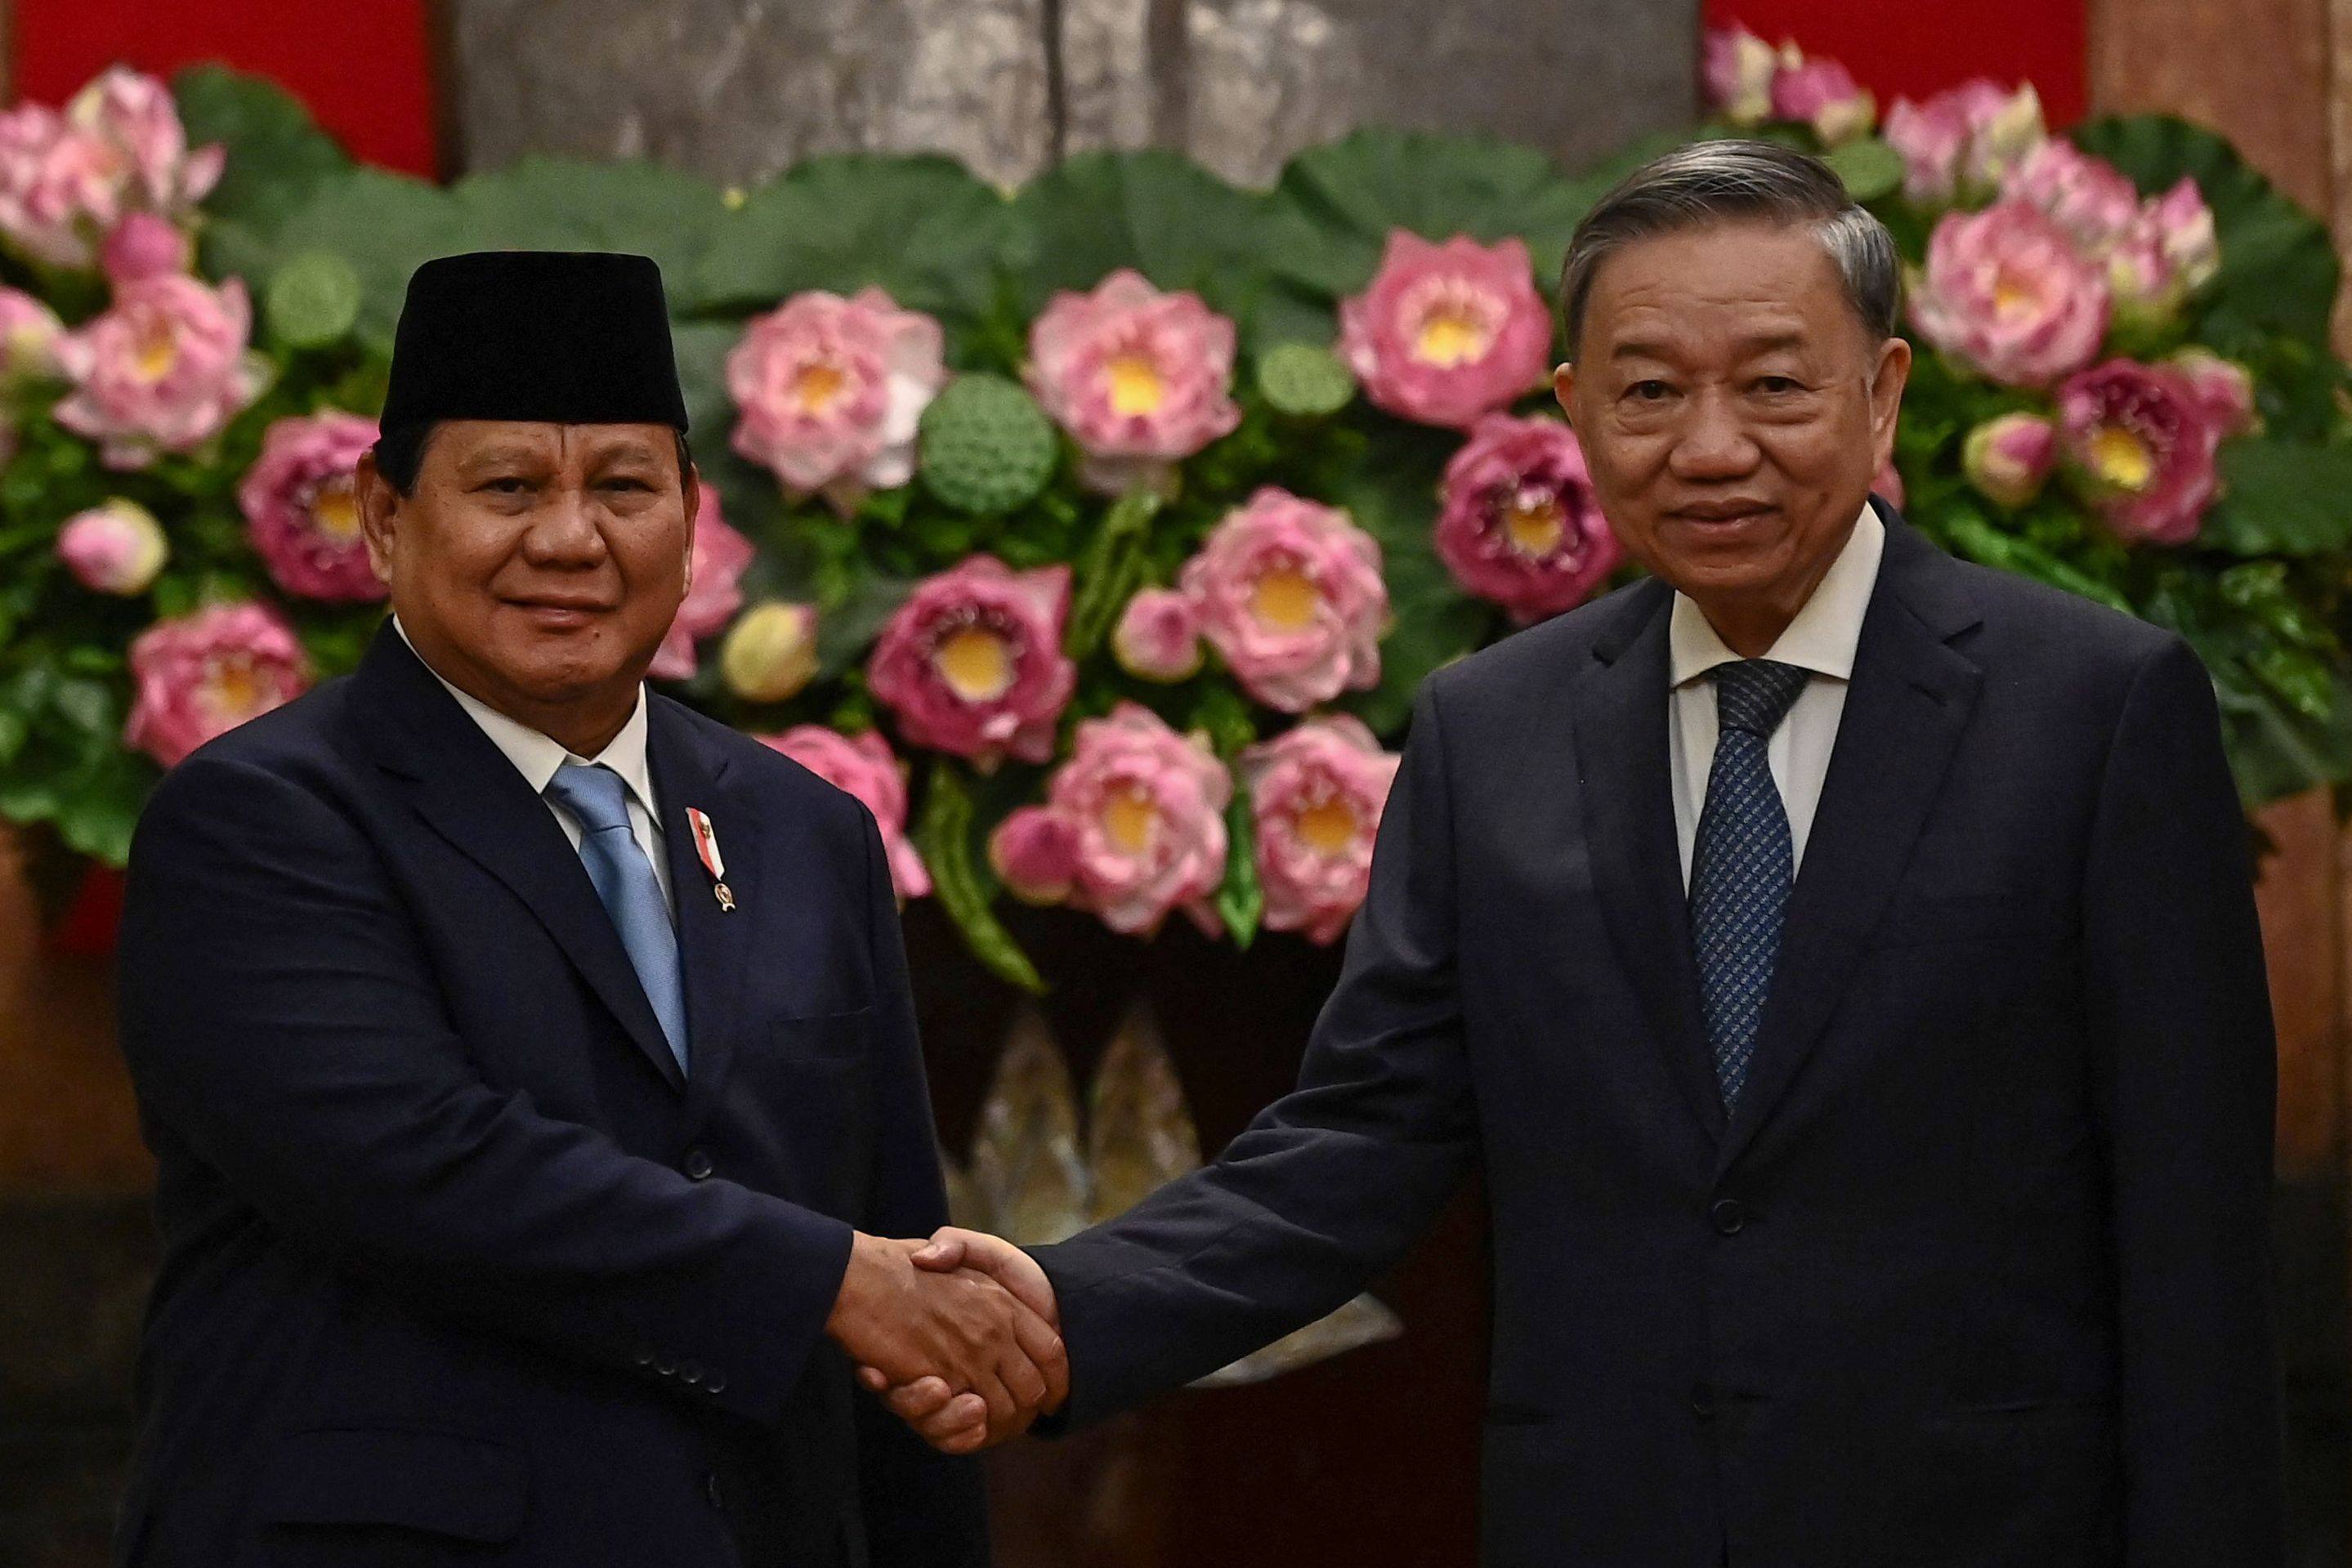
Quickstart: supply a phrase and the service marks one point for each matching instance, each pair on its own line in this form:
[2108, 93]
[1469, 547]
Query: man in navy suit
[1841, 962]
[522, 1169]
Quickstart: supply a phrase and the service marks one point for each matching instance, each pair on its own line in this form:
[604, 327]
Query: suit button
[667, 1367]
[715, 1384]
[698, 1165]
[645, 1358]
[1728, 1216]
[690, 1371]
[711, 1490]
[1702, 1399]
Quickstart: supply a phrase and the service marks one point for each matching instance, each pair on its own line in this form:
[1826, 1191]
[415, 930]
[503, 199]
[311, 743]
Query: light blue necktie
[1743, 864]
[624, 880]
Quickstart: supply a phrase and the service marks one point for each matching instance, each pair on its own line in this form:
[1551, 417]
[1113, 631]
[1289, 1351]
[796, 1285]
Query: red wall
[363, 66]
[1906, 48]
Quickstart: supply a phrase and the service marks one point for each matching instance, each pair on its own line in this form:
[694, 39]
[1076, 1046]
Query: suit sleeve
[280, 1017]
[2185, 1077]
[1332, 1183]
[923, 1508]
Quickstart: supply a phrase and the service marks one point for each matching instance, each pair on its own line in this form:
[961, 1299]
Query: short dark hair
[399, 454]
[1733, 181]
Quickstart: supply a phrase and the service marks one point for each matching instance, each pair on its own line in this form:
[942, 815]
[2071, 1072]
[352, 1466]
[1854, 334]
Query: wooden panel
[2300, 896]
[2256, 71]
[66, 1118]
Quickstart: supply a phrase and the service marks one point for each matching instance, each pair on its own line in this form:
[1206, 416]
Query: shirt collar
[1821, 639]
[537, 756]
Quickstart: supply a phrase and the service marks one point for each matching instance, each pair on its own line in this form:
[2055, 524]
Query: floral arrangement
[1096, 534]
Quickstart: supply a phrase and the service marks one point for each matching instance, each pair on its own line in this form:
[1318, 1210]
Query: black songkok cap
[555, 336]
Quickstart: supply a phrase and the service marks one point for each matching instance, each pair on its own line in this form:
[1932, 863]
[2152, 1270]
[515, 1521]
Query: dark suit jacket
[1978, 1273]
[457, 1268]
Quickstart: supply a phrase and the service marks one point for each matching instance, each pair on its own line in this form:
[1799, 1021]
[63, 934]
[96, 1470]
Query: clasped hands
[960, 1335]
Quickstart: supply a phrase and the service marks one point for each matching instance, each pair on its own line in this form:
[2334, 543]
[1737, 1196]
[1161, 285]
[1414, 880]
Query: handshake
[960, 1335]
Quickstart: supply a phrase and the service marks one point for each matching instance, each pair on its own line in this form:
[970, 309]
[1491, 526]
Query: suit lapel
[1909, 700]
[714, 945]
[1626, 787]
[472, 796]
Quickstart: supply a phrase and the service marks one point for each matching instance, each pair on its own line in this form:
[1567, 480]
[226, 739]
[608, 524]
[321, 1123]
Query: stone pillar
[739, 89]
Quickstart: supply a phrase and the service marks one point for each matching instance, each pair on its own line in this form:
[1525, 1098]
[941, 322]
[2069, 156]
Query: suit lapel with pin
[472, 796]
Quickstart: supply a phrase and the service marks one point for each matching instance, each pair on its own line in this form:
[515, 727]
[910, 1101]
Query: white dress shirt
[1821, 640]
[536, 757]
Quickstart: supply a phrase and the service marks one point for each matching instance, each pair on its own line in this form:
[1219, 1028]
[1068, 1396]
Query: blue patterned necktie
[624, 880]
[1743, 864]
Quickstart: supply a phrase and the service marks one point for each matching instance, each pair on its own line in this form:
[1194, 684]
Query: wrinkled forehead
[1718, 291]
[467, 444]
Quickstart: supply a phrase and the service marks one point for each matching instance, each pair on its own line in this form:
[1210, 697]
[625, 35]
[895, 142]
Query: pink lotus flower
[864, 765]
[830, 391]
[117, 548]
[1158, 636]
[67, 179]
[301, 510]
[1737, 69]
[2091, 198]
[1148, 809]
[972, 663]
[1448, 332]
[1822, 93]
[2224, 386]
[59, 188]
[144, 246]
[1140, 379]
[29, 334]
[719, 555]
[1316, 793]
[164, 370]
[2005, 291]
[133, 115]
[1289, 593]
[1963, 142]
[2140, 442]
[2170, 252]
[1034, 852]
[2009, 458]
[1519, 523]
[203, 674]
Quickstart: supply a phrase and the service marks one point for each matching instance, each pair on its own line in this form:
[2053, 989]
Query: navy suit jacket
[1977, 1273]
[457, 1266]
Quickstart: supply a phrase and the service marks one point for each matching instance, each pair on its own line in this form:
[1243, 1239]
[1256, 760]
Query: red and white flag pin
[705, 844]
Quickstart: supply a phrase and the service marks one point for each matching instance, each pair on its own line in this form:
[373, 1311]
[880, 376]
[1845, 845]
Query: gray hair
[1710, 182]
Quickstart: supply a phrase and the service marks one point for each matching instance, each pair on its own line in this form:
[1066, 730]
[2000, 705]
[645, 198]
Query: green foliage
[276, 154]
[328, 246]
[943, 836]
[922, 228]
[1153, 211]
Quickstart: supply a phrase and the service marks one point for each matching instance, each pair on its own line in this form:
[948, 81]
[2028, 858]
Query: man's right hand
[941, 1327]
[950, 1421]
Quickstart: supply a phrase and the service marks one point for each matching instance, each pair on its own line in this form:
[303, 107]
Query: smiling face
[538, 565]
[1733, 409]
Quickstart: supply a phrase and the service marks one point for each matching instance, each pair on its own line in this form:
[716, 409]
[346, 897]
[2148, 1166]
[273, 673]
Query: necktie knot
[1755, 694]
[594, 793]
